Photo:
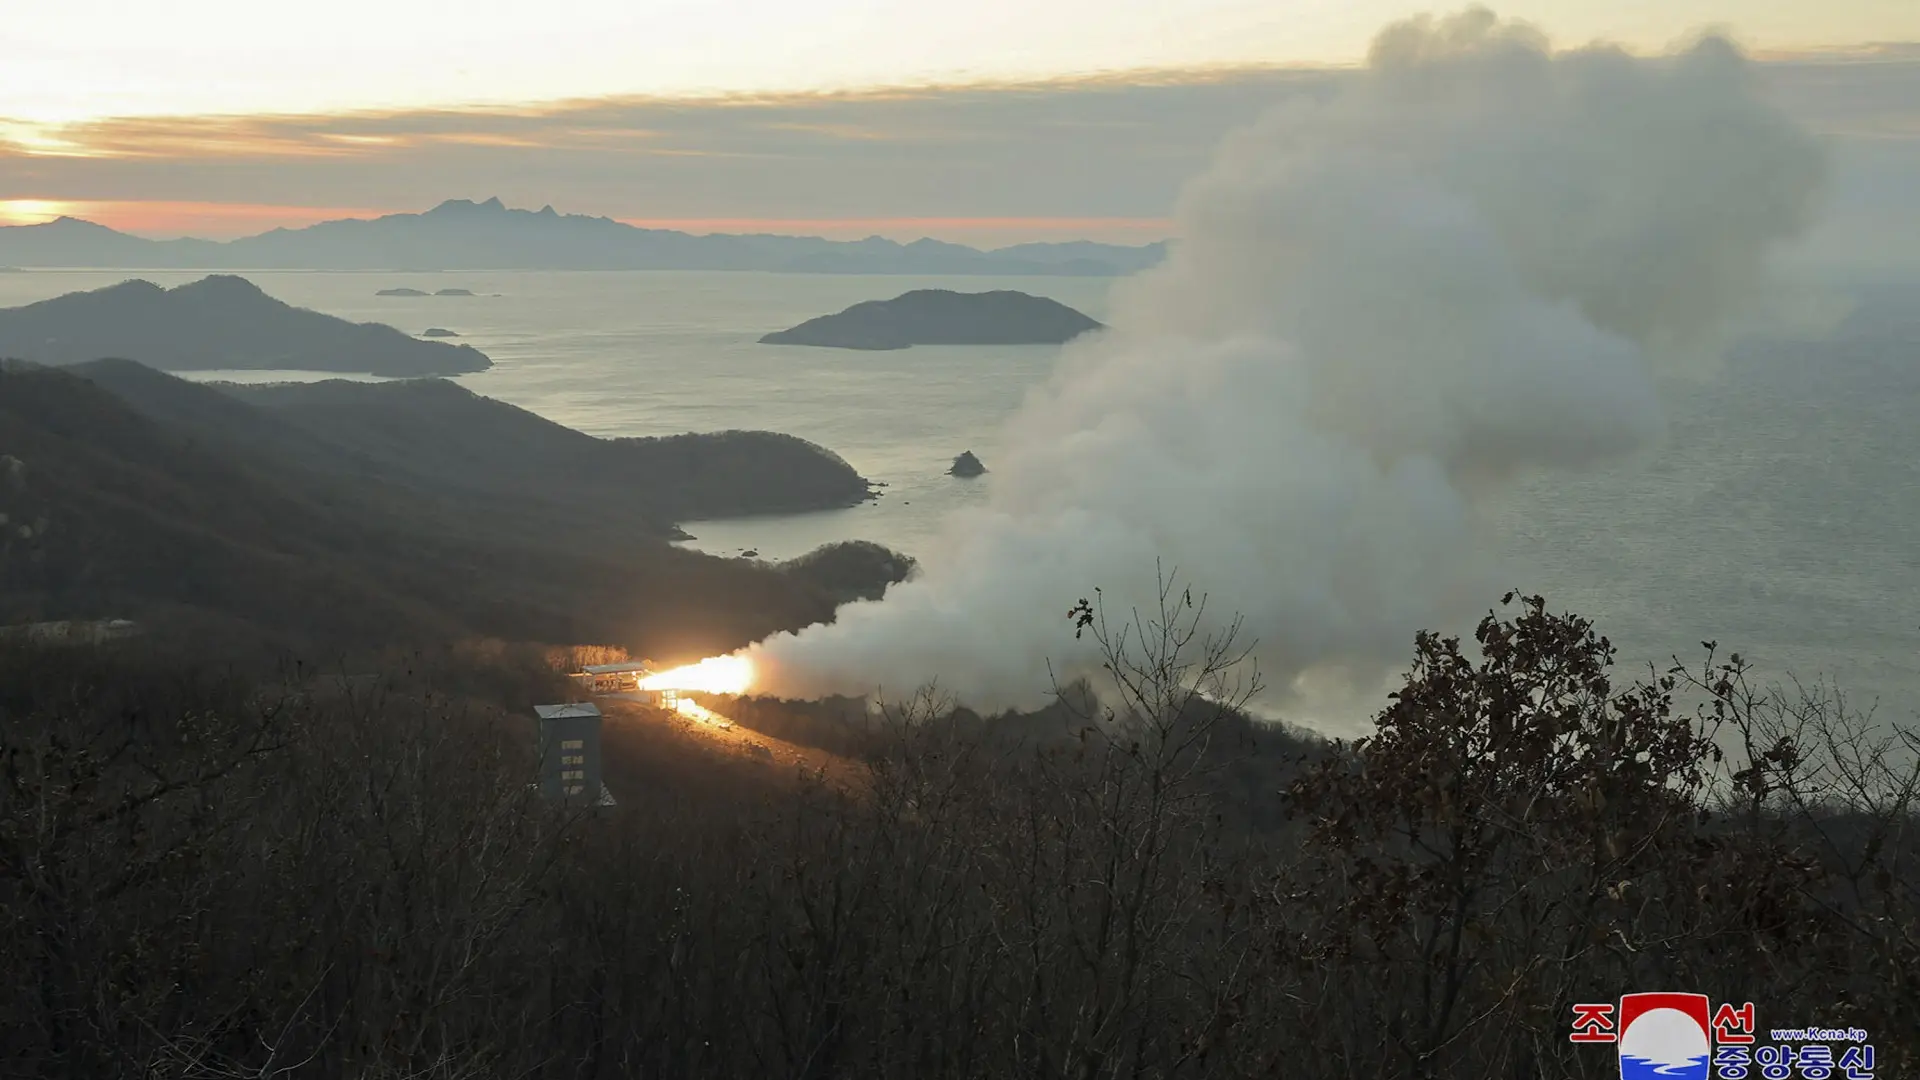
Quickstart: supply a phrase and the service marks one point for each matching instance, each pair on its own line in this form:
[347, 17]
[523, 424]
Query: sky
[991, 120]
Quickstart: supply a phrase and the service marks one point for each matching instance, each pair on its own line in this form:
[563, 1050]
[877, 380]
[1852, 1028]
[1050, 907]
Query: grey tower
[570, 753]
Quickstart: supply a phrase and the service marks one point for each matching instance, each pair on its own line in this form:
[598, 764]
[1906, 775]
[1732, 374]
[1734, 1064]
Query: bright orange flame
[714, 675]
[700, 714]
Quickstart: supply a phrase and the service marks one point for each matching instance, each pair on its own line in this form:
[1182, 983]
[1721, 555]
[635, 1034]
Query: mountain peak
[219, 285]
[468, 206]
[64, 223]
[130, 287]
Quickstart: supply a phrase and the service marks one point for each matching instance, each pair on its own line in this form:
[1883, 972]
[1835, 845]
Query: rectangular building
[570, 753]
[614, 678]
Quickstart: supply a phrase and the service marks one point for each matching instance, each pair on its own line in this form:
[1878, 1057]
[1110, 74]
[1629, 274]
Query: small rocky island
[941, 317]
[400, 292]
[453, 292]
[219, 322]
[966, 465]
[437, 331]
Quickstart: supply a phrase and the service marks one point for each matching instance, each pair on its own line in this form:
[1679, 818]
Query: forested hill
[220, 322]
[369, 513]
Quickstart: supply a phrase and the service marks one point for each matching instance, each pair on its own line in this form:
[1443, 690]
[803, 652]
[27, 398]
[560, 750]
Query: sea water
[1778, 517]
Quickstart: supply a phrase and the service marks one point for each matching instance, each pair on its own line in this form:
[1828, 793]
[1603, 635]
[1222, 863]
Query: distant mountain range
[463, 235]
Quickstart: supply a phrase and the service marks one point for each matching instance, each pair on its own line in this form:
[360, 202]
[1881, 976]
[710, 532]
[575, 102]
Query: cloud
[1086, 150]
[1110, 147]
[167, 219]
[1467, 265]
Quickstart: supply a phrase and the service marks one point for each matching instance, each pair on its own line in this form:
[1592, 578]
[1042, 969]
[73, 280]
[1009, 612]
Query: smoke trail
[1468, 263]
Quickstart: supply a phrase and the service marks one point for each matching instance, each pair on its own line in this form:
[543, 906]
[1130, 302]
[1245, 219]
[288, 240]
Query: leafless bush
[214, 876]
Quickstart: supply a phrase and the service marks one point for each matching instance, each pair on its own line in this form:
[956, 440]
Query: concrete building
[623, 679]
[570, 754]
[613, 678]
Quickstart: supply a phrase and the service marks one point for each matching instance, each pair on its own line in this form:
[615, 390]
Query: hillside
[132, 519]
[199, 509]
[219, 322]
[355, 876]
[851, 569]
[941, 317]
[445, 435]
[460, 234]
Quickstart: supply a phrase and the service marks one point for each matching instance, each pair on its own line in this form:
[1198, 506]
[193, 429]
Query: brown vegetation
[215, 876]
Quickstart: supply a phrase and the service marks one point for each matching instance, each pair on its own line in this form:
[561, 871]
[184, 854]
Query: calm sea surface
[1781, 517]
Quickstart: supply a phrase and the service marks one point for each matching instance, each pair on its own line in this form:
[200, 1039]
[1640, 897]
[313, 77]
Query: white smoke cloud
[1469, 263]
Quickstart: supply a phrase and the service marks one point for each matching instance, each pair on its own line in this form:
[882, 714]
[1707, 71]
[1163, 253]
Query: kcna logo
[1664, 1036]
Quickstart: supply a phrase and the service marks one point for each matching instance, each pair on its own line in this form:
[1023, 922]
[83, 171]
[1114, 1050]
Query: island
[437, 331]
[220, 322]
[453, 292]
[966, 465]
[400, 292]
[941, 317]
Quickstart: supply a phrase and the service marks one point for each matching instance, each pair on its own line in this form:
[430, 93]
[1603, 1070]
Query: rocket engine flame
[699, 713]
[714, 675]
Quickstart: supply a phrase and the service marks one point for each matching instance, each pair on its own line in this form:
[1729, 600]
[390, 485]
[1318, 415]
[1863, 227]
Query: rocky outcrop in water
[966, 465]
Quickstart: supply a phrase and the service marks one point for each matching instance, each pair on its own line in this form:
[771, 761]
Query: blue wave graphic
[1639, 1068]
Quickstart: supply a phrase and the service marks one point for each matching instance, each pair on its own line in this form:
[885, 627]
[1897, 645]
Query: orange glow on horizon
[33, 211]
[1148, 228]
[161, 219]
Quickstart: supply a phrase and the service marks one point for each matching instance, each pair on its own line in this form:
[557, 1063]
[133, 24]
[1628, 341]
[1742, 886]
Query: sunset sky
[995, 119]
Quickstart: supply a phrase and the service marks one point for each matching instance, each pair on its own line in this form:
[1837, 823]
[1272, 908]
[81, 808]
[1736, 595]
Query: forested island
[941, 317]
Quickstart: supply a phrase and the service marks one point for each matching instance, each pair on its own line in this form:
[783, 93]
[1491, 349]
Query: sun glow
[714, 675]
[30, 211]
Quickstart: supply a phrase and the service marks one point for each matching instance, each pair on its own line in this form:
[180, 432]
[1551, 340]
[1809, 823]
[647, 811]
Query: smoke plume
[1469, 262]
